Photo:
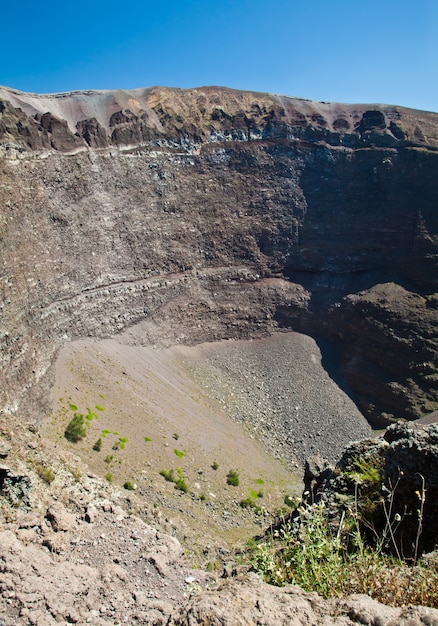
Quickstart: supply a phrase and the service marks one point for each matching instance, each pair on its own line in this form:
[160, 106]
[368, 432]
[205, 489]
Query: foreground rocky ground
[73, 549]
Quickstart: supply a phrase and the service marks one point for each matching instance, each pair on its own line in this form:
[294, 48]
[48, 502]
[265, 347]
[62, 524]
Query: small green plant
[90, 415]
[128, 485]
[147, 439]
[109, 477]
[178, 480]
[98, 445]
[233, 478]
[73, 407]
[260, 481]
[168, 475]
[100, 408]
[176, 436]
[291, 501]
[105, 432]
[76, 429]
[179, 453]
[215, 466]
[45, 473]
[365, 472]
[76, 473]
[108, 459]
[250, 500]
[120, 444]
[255, 494]
[203, 497]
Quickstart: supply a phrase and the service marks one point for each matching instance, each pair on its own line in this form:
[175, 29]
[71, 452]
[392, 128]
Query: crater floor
[259, 407]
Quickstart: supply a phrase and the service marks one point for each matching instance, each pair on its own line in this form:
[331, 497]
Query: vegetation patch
[306, 552]
[120, 444]
[233, 478]
[45, 473]
[76, 428]
[177, 479]
[251, 500]
[98, 445]
[90, 415]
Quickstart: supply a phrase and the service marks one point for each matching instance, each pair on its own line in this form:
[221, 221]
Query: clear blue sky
[370, 51]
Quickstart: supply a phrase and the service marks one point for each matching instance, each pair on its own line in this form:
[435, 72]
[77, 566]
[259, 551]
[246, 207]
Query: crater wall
[211, 213]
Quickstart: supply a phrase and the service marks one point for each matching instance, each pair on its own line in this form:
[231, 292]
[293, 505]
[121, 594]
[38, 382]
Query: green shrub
[181, 485]
[168, 475]
[90, 415]
[76, 473]
[120, 444]
[45, 473]
[129, 485]
[179, 453]
[178, 480]
[109, 477]
[98, 445]
[76, 429]
[215, 466]
[233, 478]
[291, 501]
[108, 458]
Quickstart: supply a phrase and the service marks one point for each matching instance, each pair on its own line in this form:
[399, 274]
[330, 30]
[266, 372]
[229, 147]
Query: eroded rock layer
[211, 213]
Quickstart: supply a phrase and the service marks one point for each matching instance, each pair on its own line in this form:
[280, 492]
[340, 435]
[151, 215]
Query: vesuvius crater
[216, 214]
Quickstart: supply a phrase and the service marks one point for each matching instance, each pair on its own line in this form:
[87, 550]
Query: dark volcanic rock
[93, 133]
[406, 486]
[214, 211]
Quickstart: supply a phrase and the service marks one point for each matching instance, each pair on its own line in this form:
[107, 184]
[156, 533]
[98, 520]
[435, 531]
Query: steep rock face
[217, 213]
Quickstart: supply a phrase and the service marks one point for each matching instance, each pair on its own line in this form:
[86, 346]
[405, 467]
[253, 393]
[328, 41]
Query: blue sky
[366, 51]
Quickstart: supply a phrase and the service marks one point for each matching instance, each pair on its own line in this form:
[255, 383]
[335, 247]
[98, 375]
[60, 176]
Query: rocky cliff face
[215, 213]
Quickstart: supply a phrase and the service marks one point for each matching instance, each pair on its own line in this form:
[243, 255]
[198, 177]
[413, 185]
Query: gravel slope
[260, 407]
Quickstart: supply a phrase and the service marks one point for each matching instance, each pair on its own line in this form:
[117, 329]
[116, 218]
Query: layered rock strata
[217, 214]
